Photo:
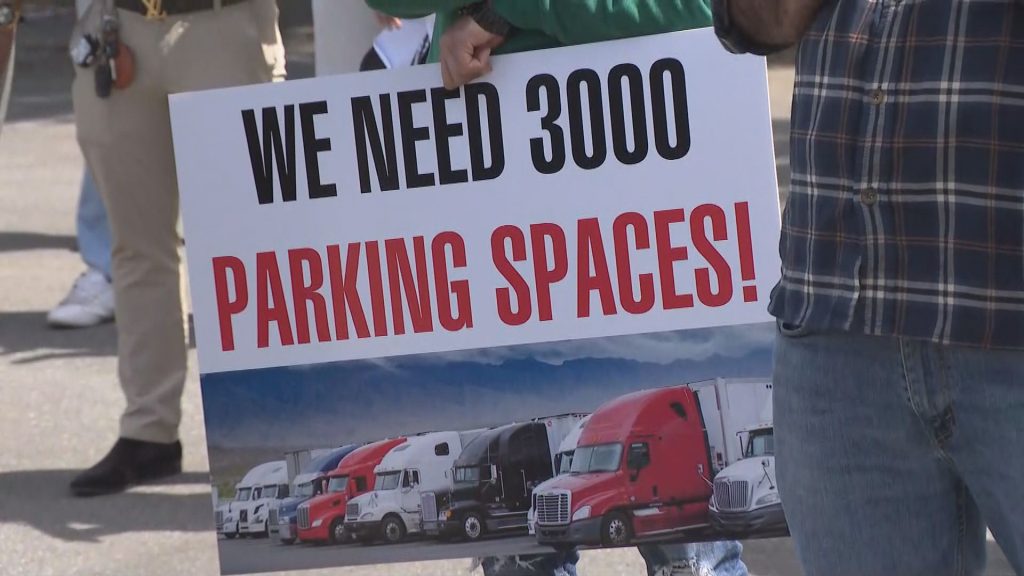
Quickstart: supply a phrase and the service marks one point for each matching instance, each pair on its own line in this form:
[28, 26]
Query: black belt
[173, 7]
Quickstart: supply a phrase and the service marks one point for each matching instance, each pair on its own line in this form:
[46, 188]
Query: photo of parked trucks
[685, 462]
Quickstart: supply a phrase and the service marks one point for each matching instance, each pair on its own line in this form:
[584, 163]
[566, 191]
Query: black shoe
[128, 463]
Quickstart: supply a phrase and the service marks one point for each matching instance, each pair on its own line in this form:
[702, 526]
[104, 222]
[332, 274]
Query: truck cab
[306, 485]
[494, 478]
[746, 496]
[640, 469]
[392, 510]
[253, 516]
[322, 518]
[227, 516]
[563, 462]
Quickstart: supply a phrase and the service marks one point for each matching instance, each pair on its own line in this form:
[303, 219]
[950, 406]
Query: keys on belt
[174, 7]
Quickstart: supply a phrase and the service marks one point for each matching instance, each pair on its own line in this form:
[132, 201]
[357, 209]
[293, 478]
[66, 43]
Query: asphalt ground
[60, 401]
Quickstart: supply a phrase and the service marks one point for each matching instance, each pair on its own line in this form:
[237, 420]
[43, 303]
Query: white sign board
[572, 197]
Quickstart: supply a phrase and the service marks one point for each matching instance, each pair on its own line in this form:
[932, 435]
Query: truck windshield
[472, 473]
[601, 458]
[388, 481]
[269, 492]
[761, 443]
[564, 461]
[337, 484]
[304, 490]
[243, 494]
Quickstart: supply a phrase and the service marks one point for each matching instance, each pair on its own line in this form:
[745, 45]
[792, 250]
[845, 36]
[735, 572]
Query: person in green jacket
[466, 34]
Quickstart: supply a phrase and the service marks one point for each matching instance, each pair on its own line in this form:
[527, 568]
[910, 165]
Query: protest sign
[457, 291]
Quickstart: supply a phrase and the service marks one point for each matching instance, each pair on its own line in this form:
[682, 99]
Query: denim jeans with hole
[894, 454]
[702, 559]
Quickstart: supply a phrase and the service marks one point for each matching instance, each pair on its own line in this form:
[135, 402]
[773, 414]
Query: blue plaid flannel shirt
[906, 211]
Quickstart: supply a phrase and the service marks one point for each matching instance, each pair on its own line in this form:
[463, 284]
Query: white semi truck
[392, 510]
[227, 515]
[746, 494]
[563, 462]
[271, 487]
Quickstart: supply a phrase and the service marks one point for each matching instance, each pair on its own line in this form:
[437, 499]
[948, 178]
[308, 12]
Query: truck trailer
[731, 406]
[393, 509]
[306, 485]
[494, 478]
[322, 519]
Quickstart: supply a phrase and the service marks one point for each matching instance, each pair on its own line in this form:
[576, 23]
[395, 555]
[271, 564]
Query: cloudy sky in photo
[354, 401]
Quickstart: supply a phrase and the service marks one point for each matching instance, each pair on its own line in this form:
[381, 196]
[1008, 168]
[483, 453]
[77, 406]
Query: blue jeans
[702, 559]
[894, 454]
[94, 242]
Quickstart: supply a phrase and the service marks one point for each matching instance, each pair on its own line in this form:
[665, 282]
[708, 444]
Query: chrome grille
[352, 511]
[553, 508]
[732, 496]
[243, 516]
[272, 517]
[219, 519]
[428, 506]
[303, 517]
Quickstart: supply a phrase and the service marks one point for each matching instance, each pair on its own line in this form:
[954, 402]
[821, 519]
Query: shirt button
[869, 196]
[877, 97]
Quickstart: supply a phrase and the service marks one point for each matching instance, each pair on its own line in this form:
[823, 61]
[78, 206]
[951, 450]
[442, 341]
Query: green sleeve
[415, 8]
[583, 21]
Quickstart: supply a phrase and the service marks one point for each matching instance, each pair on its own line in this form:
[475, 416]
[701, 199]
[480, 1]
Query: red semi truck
[641, 469]
[322, 519]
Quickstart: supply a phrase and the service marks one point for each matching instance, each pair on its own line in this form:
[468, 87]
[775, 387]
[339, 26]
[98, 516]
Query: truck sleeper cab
[494, 478]
[746, 496]
[392, 510]
[322, 519]
[640, 470]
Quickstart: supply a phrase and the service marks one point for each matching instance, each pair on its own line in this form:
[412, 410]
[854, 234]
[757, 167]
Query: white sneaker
[89, 303]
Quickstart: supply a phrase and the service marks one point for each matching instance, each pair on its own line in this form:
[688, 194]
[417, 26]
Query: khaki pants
[126, 140]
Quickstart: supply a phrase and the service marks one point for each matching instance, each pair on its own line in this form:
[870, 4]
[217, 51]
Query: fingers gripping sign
[465, 52]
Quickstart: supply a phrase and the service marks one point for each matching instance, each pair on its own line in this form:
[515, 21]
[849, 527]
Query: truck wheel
[287, 541]
[336, 533]
[616, 530]
[472, 526]
[393, 529]
[230, 535]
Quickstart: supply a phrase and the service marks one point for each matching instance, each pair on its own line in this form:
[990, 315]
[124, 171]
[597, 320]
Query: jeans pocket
[792, 330]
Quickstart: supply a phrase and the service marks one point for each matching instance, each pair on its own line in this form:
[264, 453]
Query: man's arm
[415, 8]
[773, 23]
[582, 21]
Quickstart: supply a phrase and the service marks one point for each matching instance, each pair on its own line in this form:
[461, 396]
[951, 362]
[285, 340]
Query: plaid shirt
[906, 210]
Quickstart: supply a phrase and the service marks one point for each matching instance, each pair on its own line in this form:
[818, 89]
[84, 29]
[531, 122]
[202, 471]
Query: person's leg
[93, 228]
[986, 390]
[126, 139]
[697, 559]
[865, 486]
[90, 301]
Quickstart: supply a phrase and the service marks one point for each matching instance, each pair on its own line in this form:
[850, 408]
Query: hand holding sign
[466, 52]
